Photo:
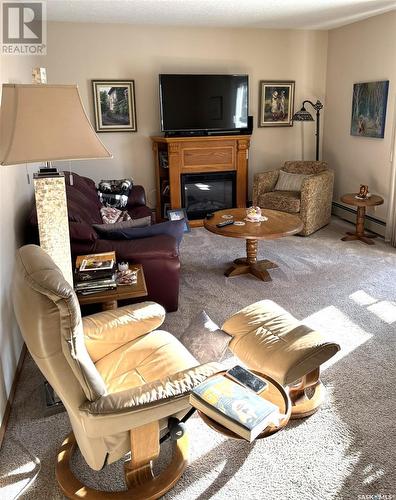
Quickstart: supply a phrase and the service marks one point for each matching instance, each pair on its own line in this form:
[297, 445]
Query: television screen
[203, 102]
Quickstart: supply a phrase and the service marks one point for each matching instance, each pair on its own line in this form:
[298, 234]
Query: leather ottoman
[270, 340]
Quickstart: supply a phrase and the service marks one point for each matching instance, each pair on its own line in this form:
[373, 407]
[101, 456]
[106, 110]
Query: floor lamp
[305, 116]
[44, 123]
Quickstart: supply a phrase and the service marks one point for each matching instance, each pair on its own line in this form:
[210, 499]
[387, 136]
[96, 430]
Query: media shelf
[175, 156]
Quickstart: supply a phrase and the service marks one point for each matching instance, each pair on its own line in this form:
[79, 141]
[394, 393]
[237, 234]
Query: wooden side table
[109, 298]
[275, 393]
[359, 234]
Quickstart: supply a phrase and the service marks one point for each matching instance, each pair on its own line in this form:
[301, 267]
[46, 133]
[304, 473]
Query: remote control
[247, 378]
[225, 223]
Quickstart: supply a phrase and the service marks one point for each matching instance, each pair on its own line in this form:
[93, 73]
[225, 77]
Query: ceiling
[278, 14]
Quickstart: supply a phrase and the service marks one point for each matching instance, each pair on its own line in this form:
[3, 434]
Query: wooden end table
[279, 224]
[109, 298]
[275, 393]
[359, 234]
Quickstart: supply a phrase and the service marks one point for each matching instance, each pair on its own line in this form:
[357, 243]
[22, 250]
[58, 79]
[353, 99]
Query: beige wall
[15, 195]
[15, 199]
[364, 51]
[78, 53]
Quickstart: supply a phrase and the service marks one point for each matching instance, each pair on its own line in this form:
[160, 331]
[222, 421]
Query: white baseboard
[373, 224]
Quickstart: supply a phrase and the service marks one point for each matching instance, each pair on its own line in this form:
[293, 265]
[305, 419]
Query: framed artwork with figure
[369, 109]
[276, 103]
[114, 103]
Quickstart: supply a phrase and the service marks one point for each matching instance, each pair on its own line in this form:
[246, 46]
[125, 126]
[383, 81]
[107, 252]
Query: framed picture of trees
[114, 102]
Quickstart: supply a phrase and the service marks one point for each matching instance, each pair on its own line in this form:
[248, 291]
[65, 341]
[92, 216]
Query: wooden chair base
[307, 395]
[304, 403]
[144, 486]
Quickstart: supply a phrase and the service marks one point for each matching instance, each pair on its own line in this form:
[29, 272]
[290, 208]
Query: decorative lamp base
[53, 224]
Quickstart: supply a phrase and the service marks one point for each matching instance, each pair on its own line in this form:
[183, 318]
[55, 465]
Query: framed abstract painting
[276, 103]
[369, 109]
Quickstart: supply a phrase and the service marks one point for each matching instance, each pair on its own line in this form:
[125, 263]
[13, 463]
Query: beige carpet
[345, 451]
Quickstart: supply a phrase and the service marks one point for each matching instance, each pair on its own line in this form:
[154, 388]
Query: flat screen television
[203, 103]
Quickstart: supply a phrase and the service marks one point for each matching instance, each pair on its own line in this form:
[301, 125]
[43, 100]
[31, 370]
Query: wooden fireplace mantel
[175, 156]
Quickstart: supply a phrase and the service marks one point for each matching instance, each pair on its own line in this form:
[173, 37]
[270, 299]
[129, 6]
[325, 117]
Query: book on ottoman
[235, 407]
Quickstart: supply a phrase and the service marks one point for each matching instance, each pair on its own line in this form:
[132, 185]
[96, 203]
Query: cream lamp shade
[43, 123]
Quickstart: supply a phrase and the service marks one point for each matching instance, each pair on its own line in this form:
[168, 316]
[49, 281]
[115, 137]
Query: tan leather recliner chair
[119, 378]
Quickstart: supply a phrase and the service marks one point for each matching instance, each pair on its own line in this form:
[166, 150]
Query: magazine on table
[97, 262]
[94, 272]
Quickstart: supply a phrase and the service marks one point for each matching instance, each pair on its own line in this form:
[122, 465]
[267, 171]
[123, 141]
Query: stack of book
[95, 273]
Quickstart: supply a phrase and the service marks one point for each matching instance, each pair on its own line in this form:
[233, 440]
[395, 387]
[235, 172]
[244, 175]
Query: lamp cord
[71, 180]
[27, 173]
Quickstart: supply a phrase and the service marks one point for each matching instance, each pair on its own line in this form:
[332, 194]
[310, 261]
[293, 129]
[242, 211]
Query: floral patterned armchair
[312, 203]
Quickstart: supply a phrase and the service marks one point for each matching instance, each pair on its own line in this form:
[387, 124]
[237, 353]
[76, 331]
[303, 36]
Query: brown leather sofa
[158, 254]
[119, 377]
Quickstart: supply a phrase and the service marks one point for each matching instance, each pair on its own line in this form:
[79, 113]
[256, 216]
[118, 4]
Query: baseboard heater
[373, 224]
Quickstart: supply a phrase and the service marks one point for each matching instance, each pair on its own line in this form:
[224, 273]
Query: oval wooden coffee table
[279, 224]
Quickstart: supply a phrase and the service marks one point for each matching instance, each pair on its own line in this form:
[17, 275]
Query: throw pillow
[111, 215]
[289, 182]
[204, 339]
[115, 193]
[117, 186]
[173, 228]
[113, 200]
[104, 229]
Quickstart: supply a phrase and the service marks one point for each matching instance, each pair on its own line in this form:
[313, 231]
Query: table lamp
[43, 123]
[305, 116]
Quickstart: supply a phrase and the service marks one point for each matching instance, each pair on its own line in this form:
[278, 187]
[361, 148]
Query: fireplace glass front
[207, 192]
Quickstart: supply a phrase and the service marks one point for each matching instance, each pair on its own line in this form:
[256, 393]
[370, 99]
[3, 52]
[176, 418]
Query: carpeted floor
[345, 451]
